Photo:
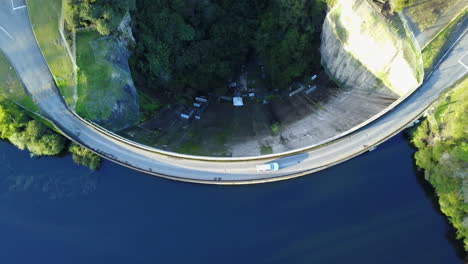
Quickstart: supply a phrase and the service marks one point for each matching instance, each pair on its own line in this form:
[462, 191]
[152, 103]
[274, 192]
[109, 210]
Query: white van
[268, 167]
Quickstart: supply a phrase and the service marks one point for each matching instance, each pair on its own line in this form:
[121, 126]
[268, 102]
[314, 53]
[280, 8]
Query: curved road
[18, 43]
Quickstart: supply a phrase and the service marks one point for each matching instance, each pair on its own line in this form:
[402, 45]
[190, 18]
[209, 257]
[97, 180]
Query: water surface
[371, 209]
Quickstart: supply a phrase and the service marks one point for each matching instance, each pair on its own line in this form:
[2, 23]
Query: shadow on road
[289, 161]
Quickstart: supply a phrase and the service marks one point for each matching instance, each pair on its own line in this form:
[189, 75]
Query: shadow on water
[431, 195]
[451, 234]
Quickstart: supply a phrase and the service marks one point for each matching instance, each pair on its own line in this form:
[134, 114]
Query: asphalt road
[18, 44]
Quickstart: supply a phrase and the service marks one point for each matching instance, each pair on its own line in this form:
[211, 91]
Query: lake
[372, 209]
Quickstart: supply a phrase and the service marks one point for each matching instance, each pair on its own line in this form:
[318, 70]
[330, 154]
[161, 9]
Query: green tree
[103, 15]
[286, 37]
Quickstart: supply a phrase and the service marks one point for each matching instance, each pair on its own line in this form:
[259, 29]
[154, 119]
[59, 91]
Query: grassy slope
[425, 13]
[432, 51]
[102, 83]
[93, 79]
[45, 17]
[11, 87]
[442, 142]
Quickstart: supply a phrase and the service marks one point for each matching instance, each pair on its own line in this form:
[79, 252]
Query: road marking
[6, 32]
[461, 62]
[16, 7]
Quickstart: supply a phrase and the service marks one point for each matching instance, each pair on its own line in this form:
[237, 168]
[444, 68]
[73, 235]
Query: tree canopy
[185, 45]
[27, 133]
[103, 15]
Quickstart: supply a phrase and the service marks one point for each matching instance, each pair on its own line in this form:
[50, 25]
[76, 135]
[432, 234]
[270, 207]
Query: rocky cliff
[362, 49]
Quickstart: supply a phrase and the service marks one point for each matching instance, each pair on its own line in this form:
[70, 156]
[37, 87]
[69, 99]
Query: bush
[275, 128]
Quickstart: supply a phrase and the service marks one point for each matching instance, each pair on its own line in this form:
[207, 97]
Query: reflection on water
[54, 184]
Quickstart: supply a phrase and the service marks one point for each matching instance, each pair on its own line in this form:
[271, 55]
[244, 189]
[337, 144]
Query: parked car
[268, 167]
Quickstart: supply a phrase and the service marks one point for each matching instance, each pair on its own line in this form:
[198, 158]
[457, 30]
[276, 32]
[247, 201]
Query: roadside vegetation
[94, 77]
[45, 18]
[432, 52]
[12, 88]
[442, 142]
[28, 132]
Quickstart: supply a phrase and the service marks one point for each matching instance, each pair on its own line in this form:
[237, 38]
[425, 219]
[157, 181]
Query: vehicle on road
[268, 167]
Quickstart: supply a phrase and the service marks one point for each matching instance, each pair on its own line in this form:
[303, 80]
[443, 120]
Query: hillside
[362, 48]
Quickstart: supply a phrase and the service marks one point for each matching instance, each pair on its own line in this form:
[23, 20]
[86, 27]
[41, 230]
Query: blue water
[371, 209]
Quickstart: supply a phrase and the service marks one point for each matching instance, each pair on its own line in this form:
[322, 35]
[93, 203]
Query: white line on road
[6, 32]
[460, 61]
[17, 7]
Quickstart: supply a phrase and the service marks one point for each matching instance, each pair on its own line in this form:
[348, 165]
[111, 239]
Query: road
[21, 49]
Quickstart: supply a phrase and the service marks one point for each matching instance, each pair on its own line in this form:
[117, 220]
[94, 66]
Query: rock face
[360, 49]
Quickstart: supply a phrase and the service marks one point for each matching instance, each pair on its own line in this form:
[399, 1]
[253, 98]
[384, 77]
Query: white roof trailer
[237, 101]
[201, 100]
[311, 89]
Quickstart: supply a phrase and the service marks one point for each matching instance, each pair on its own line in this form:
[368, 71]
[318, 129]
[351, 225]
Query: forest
[187, 46]
[184, 46]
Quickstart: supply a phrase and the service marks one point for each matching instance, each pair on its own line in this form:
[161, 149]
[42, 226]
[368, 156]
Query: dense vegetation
[442, 142]
[27, 133]
[184, 46]
[103, 15]
[31, 134]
